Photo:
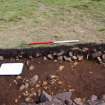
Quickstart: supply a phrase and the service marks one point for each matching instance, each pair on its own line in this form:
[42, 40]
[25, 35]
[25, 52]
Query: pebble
[60, 53]
[99, 59]
[50, 56]
[75, 63]
[60, 58]
[103, 97]
[52, 79]
[74, 57]
[15, 81]
[19, 77]
[30, 57]
[103, 57]
[22, 87]
[55, 60]
[34, 79]
[1, 58]
[27, 62]
[67, 58]
[26, 85]
[80, 58]
[44, 83]
[45, 97]
[85, 49]
[78, 101]
[60, 82]
[94, 98]
[28, 99]
[37, 85]
[44, 58]
[38, 54]
[31, 67]
[16, 100]
[61, 68]
[70, 53]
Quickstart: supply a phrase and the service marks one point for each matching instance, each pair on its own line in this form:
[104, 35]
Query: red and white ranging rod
[53, 42]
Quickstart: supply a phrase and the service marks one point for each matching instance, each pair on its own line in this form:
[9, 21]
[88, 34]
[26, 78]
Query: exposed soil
[83, 78]
[82, 72]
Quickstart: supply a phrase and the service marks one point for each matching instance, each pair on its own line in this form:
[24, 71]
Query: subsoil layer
[83, 78]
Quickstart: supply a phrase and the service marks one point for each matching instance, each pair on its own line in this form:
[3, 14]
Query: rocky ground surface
[65, 76]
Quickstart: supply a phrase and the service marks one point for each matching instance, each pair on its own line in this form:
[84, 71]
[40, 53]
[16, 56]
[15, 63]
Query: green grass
[21, 20]
[16, 10]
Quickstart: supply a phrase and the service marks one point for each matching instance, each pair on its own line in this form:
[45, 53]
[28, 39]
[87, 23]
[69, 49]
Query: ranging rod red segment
[36, 43]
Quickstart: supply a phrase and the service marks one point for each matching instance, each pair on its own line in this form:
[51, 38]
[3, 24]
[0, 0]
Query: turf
[15, 10]
[23, 21]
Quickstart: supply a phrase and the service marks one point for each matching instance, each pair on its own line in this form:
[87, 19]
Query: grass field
[23, 21]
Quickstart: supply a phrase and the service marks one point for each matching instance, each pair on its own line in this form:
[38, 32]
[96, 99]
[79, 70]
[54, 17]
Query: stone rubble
[66, 99]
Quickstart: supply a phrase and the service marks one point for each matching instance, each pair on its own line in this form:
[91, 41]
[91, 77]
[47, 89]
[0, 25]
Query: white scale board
[11, 68]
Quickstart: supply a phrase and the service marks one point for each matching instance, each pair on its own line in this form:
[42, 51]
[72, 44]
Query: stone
[103, 58]
[44, 83]
[99, 59]
[67, 58]
[60, 82]
[30, 57]
[60, 53]
[37, 85]
[44, 58]
[38, 54]
[34, 79]
[94, 98]
[26, 93]
[45, 97]
[52, 79]
[103, 97]
[31, 67]
[16, 100]
[1, 58]
[96, 54]
[50, 56]
[80, 57]
[70, 53]
[85, 49]
[27, 62]
[26, 85]
[75, 64]
[15, 81]
[28, 99]
[74, 57]
[63, 96]
[61, 68]
[78, 101]
[60, 58]
[55, 60]
[19, 77]
[22, 87]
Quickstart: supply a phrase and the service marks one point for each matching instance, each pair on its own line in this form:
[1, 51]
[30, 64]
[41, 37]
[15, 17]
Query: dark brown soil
[83, 78]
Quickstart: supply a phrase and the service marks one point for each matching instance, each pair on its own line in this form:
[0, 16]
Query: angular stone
[45, 97]
[67, 59]
[34, 79]
[50, 56]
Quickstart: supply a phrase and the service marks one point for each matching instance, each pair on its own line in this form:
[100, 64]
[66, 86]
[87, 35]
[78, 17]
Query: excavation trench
[79, 69]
